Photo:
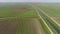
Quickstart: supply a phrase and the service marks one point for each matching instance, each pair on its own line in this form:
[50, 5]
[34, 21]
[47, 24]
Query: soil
[38, 27]
[9, 26]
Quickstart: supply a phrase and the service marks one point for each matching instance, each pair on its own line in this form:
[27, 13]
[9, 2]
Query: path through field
[38, 27]
[48, 21]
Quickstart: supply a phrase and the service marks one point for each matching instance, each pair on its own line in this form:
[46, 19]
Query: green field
[53, 10]
[22, 14]
[16, 11]
[22, 18]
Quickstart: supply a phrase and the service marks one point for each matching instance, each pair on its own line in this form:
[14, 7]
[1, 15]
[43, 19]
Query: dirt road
[38, 27]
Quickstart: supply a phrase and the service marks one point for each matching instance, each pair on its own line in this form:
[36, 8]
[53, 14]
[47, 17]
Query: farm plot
[9, 26]
[15, 11]
[19, 19]
[30, 26]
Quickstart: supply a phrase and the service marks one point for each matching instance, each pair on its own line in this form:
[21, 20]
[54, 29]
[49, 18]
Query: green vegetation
[19, 12]
[25, 13]
[48, 22]
[53, 10]
[12, 11]
[24, 27]
[46, 31]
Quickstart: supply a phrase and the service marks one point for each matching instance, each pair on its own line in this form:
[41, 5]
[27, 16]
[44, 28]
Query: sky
[29, 0]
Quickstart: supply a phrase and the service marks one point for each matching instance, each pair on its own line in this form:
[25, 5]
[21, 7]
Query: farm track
[44, 21]
[38, 27]
[48, 21]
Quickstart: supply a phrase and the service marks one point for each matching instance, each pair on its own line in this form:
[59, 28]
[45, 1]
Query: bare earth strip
[38, 27]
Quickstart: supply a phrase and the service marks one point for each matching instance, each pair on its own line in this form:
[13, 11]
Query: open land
[33, 18]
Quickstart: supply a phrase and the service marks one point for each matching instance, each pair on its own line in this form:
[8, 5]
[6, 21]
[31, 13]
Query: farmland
[53, 10]
[48, 15]
[17, 18]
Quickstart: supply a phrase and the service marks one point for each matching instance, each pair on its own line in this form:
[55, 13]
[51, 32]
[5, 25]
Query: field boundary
[44, 22]
[49, 17]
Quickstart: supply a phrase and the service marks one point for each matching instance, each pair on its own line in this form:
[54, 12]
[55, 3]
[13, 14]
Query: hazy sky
[29, 0]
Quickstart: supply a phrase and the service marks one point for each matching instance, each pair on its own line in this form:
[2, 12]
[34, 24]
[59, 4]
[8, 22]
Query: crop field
[17, 18]
[50, 13]
[53, 10]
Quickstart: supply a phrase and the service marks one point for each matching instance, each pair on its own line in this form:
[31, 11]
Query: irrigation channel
[48, 21]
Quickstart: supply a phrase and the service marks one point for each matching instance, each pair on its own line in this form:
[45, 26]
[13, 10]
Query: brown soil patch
[9, 26]
[38, 27]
